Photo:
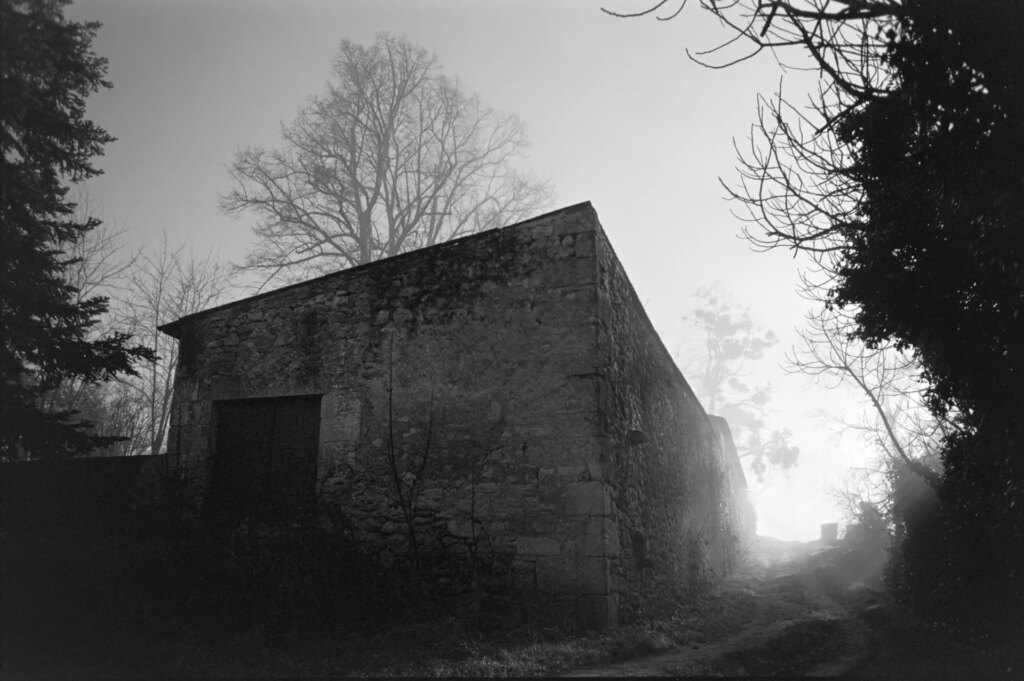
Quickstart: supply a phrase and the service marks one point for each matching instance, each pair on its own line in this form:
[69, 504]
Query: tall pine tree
[47, 70]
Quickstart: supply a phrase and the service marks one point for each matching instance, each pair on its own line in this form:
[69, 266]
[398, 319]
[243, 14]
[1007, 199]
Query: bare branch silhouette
[392, 157]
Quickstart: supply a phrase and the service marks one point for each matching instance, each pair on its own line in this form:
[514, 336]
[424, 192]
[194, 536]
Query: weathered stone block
[592, 574]
[430, 498]
[556, 574]
[460, 527]
[569, 227]
[583, 246]
[600, 538]
[598, 611]
[588, 498]
[545, 524]
[538, 546]
[524, 576]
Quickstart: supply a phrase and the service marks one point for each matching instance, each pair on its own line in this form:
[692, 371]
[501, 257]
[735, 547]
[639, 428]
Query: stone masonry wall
[666, 473]
[478, 355]
[737, 510]
[497, 409]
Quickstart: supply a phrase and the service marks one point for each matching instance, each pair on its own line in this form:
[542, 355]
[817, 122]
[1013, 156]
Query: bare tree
[789, 191]
[907, 437]
[99, 261]
[898, 421]
[147, 289]
[730, 342]
[392, 157]
[96, 266]
[163, 286]
[901, 182]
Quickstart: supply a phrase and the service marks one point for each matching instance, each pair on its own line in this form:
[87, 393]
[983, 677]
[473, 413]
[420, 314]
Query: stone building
[498, 408]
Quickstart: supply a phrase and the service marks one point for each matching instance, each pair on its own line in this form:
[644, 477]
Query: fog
[616, 113]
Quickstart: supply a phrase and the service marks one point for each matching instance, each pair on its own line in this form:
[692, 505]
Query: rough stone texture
[672, 480]
[739, 511]
[516, 363]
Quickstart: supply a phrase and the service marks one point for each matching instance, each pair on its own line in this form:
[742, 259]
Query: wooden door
[264, 459]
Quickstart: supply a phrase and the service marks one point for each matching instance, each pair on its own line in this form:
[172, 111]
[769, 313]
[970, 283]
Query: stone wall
[478, 355]
[667, 473]
[738, 510]
[496, 411]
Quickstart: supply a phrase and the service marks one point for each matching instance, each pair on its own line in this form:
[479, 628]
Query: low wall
[86, 495]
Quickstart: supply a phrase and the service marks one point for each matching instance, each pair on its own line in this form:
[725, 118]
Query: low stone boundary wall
[95, 495]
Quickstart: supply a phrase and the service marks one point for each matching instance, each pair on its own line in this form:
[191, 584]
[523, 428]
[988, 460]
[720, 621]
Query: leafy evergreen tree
[47, 70]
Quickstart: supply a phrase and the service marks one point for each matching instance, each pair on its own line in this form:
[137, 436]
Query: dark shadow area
[99, 581]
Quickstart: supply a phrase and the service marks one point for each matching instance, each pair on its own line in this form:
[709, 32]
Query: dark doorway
[264, 459]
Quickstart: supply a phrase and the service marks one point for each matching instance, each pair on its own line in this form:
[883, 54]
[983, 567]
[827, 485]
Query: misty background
[615, 111]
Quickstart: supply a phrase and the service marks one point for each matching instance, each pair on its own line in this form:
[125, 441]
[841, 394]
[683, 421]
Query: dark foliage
[138, 597]
[46, 72]
[934, 259]
[905, 186]
[99, 599]
[935, 255]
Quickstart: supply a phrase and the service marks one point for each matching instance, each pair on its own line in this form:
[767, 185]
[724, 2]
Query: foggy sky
[615, 111]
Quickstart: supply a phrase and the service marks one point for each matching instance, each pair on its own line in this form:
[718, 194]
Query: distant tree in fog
[147, 289]
[99, 260]
[730, 342]
[98, 264]
[162, 286]
[897, 421]
[393, 156]
[116, 415]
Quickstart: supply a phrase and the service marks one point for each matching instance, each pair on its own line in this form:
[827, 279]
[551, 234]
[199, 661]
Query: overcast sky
[615, 111]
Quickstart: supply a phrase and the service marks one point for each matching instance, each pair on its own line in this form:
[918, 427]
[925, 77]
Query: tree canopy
[393, 156]
[935, 253]
[47, 70]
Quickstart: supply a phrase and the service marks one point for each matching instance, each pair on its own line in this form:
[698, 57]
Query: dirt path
[794, 617]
